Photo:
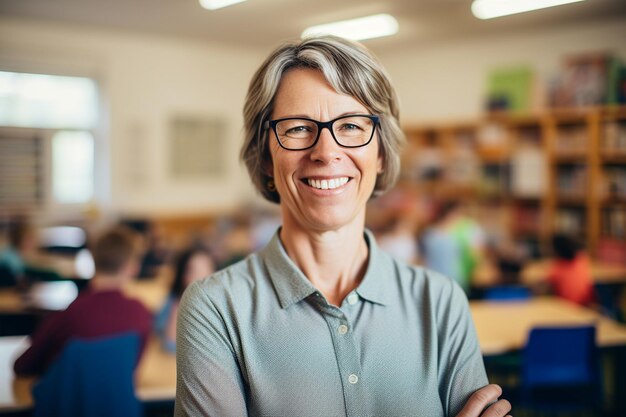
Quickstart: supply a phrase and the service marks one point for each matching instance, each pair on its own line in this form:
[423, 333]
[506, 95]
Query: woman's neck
[334, 261]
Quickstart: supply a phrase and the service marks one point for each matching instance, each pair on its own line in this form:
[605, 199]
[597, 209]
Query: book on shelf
[570, 221]
[493, 139]
[588, 79]
[614, 138]
[614, 222]
[612, 250]
[426, 164]
[463, 165]
[571, 139]
[510, 89]
[528, 171]
[527, 219]
[613, 183]
[572, 180]
[495, 179]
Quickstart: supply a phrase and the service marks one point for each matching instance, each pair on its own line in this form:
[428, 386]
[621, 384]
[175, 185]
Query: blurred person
[156, 251]
[397, 238]
[264, 226]
[231, 239]
[570, 273]
[472, 240]
[510, 258]
[441, 250]
[22, 245]
[321, 321]
[191, 265]
[100, 310]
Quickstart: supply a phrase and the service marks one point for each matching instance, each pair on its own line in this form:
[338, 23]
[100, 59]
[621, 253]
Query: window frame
[48, 209]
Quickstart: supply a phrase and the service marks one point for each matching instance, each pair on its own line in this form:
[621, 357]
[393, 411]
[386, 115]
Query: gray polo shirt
[258, 339]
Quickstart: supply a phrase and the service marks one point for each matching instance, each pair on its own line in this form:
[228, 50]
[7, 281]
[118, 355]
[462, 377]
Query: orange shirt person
[570, 274]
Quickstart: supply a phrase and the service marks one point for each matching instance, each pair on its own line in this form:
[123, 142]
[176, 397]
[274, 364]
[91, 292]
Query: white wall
[145, 80]
[445, 81]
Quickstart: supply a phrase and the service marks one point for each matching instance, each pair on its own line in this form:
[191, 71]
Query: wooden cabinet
[560, 171]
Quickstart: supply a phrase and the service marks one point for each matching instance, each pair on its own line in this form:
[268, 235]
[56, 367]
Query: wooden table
[156, 375]
[504, 327]
[536, 272]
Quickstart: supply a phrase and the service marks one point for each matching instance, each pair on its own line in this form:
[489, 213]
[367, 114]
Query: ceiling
[263, 23]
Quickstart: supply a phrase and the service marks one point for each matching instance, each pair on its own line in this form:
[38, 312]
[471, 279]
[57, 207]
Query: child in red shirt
[570, 275]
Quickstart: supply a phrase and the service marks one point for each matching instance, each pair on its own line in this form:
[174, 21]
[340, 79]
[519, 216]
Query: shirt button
[353, 379]
[343, 329]
[353, 298]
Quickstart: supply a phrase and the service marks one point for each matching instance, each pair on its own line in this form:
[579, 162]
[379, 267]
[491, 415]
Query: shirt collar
[289, 282]
[374, 286]
[292, 286]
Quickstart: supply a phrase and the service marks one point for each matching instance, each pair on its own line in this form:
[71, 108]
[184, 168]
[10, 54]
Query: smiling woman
[321, 321]
[297, 174]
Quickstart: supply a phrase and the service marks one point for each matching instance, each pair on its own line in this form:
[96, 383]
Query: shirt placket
[347, 355]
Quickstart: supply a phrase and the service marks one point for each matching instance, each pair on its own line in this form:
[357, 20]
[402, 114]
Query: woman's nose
[326, 149]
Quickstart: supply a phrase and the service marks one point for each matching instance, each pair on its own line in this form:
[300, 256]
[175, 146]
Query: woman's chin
[329, 220]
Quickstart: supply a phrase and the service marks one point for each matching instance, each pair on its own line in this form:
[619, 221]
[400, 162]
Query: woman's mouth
[327, 184]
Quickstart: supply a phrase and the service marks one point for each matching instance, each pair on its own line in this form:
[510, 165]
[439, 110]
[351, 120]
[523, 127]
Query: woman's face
[306, 93]
[199, 266]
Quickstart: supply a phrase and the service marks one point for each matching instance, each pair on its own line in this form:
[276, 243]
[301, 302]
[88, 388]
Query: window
[47, 101]
[72, 167]
[47, 125]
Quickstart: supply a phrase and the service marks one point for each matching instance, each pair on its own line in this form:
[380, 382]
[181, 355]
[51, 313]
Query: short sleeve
[461, 367]
[208, 380]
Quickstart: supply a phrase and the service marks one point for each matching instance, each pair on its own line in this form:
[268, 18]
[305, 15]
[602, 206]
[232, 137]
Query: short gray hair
[350, 69]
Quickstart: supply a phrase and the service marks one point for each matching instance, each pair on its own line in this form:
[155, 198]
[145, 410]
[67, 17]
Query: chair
[505, 367]
[37, 274]
[608, 295]
[7, 277]
[507, 293]
[91, 378]
[561, 370]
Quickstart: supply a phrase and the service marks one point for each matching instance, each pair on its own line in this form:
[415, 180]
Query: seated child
[100, 310]
[22, 243]
[570, 274]
[192, 264]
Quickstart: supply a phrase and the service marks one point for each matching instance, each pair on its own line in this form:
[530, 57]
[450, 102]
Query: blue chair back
[91, 378]
[7, 277]
[562, 358]
[507, 293]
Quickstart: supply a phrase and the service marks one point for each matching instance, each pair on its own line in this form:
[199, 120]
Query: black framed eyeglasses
[298, 133]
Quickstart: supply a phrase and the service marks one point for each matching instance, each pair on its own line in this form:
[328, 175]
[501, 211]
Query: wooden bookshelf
[575, 180]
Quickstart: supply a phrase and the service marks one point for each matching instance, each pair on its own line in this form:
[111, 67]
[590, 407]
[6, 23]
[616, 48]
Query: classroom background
[131, 113]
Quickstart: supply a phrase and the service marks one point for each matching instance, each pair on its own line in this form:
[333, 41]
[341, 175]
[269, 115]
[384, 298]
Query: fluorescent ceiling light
[488, 9]
[218, 4]
[375, 26]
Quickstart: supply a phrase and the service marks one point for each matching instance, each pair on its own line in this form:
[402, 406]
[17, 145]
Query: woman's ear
[268, 167]
[380, 164]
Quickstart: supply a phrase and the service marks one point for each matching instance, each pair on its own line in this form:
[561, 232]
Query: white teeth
[327, 184]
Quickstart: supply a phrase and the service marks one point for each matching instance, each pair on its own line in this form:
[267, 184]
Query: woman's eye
[349, 126]
[298, 129]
